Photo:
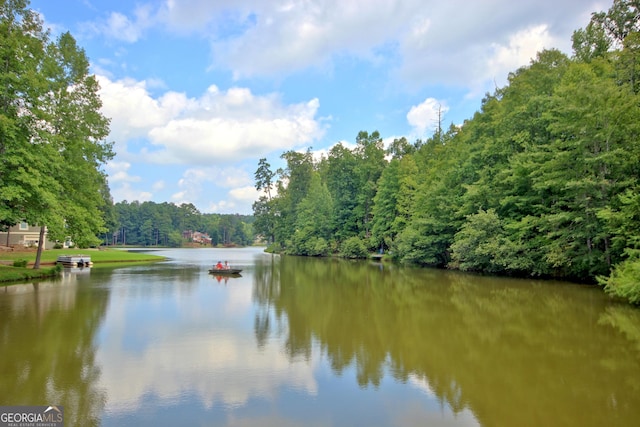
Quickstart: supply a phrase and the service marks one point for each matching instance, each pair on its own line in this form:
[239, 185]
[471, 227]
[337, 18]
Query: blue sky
[199, 90]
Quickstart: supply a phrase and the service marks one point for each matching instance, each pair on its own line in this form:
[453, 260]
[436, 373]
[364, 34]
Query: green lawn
[97, 256]
[18, 274]
[106, 257]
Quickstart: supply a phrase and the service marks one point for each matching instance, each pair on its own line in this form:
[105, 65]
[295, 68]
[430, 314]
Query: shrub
[20, 263]
[274, 248]
[317, 246]
[624, 281]
[354, 247]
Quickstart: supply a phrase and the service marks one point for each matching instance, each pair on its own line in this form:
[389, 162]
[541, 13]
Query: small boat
[73, 261]
[225, 271]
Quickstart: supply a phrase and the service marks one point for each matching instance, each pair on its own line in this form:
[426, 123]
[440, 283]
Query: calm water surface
[314, 342]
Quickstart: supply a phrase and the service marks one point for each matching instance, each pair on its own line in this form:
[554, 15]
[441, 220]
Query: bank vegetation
[542, 181]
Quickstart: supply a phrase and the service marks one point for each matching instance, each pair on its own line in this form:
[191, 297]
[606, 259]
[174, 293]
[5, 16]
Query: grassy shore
[103, 257]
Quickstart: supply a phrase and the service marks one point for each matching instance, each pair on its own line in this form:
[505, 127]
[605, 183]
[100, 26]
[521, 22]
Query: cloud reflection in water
[199, 346]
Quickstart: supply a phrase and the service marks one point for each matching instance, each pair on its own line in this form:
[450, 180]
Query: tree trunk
[36, 266]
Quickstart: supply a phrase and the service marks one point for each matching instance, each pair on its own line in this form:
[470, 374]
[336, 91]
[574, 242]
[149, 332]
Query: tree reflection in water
[514, 352]
[52, 326]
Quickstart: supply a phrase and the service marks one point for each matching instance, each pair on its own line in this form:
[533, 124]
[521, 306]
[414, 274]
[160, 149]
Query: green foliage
[542, 181]
[340, 174]
[21, 274]
[370, 164]
[162, 224]
[354, 248]
[310, 246]
[476, 245]
[274, 248]
[52, 133]
[313, 221]
[20, 263]
[624, 281]
[385, 206]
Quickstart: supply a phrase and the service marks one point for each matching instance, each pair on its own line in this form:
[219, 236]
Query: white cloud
[119, 172]
[120, 27]
[132, 109]
[224, 207]
[245, 194]
[478, 48]
[188, 16]
[124, 191]
[120, 183]
[521, 48]
[286, 38]
[158, 185]
[217, 127]
[234, 190]
[426, 115]
[179, 198]
[436, 41]
[274, 39]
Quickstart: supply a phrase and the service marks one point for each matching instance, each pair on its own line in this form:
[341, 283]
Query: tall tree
[313, 221]
[263, 208]
[28, 189]
[293, 187]
[586, 164]
[385, 206]
[51, 131]
[369, 152]
[73, 124]
[339, 170]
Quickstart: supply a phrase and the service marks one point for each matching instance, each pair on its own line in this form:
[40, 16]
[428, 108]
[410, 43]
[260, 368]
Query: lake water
[316, 342]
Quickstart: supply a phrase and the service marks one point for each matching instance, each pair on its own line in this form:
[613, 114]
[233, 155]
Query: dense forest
[542, 181]
[163, 224]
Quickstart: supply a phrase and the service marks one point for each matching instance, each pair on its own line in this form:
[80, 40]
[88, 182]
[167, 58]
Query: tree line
[542, 181]
[163, 224]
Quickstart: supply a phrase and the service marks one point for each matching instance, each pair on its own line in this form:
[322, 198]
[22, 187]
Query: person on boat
[219, 266]
[226, 265]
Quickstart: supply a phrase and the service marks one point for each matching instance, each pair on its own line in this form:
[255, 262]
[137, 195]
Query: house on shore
[24, 235]
[197, 237]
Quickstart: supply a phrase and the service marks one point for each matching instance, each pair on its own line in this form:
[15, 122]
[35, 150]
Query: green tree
[263, 208]
[339, 170]
[624, 281]
[52, 131]
[385, 206]
[354, 247]
[313, 222]
[586, 164]
[434, 215]
[28, 187]
[189, 217]
[623, 224]
[369, 153]
[77, 130]
[293, 187]
[591, 42]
